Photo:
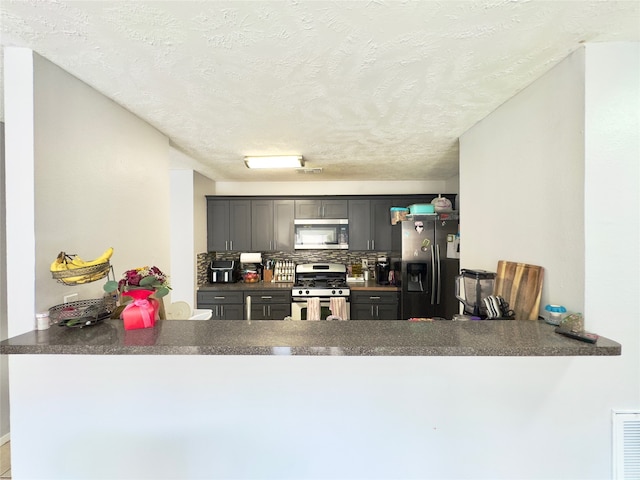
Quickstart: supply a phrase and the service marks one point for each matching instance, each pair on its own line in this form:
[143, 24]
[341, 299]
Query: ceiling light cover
[275, 161]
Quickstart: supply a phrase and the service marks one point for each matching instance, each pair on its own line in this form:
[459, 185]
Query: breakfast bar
[335, 338]
[292, 399]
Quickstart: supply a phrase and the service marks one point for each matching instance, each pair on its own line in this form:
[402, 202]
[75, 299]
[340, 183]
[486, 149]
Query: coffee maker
[382, 270]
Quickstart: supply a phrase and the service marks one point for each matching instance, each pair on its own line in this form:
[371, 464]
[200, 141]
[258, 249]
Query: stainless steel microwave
[321, 233]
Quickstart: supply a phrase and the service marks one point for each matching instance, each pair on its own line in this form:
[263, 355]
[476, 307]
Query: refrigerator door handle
[439, 274]
[433, 276]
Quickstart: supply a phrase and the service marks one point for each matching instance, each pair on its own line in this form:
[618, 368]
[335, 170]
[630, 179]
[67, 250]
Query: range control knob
[299, 292]
[333, 292]
[307, 292]
[340, 292]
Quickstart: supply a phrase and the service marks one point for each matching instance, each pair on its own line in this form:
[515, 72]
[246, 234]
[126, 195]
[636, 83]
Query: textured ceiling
[365, 90]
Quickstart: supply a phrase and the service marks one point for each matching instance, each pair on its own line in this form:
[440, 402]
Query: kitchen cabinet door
[283, 214]
[359, 224]
[370, 224]
[381, 228]
[374, 305]
[262, 225]
[239, 225]
[335, 209]
[217, 225]
[228, 225]
[275, 311]
[315, 208]
[269, 304]
[272, 225]
[224, 305]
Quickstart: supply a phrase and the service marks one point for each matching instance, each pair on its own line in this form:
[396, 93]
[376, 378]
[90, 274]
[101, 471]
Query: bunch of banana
[65, 262]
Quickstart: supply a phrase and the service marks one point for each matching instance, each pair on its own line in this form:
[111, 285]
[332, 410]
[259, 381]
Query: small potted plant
[146, 286]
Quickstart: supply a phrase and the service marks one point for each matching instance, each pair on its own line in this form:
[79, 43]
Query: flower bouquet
[146, 286]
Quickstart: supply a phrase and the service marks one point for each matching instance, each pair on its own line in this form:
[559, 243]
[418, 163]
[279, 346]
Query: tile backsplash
[299, 256]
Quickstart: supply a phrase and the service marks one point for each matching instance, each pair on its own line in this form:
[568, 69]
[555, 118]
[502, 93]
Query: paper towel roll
[250, 258]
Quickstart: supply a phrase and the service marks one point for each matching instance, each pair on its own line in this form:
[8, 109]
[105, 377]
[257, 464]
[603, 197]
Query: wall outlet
[72, 297]
[365, 264]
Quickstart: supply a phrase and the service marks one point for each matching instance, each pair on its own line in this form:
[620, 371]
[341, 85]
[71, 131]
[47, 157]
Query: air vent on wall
[626, 445]
[309, 170]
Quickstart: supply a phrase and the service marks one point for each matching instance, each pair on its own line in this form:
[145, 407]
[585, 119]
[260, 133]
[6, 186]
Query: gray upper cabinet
[267, 224]
[370, 224]
[322, 208]
[283, 215]
[228, 225]
[272, 225]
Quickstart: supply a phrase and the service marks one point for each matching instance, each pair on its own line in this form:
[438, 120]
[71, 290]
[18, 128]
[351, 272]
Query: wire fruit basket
[82, 275]
[82, 313]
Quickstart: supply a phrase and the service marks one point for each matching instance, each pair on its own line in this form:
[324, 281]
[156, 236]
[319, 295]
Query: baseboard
[5, 438]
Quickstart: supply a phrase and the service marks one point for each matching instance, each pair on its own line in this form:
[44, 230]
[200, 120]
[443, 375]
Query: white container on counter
[42, 321]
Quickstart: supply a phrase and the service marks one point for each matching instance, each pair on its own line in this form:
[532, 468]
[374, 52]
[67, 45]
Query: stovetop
[320, 280]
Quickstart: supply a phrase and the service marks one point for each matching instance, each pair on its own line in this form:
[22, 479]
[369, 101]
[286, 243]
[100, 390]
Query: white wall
[612, 201]
[202, 186]
[101, 178]
[522, 184]
[183, 265]
[82, 174]
[532, 151]
[4, 366]
[188, 229]
[334, 188]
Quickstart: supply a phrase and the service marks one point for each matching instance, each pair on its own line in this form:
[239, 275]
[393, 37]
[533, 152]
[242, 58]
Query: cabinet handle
[368, 243]
[373, 244]
[374, 298]
[219, 298]
[222, 310]
[230, 244]
[226, 244]
[266, 297]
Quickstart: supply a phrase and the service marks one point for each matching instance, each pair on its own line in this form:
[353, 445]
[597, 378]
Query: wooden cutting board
[520, 285]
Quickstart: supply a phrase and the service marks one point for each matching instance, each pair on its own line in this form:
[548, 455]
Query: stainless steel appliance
[321, 233]
[223, 271]
[429, 265]
[472, 287]
[319, 280]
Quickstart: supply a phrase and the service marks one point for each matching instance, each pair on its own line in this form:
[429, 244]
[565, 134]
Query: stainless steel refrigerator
[429, 251]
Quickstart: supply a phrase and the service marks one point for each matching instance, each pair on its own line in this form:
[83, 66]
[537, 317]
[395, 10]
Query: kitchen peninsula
[267, 399]
[352, 338]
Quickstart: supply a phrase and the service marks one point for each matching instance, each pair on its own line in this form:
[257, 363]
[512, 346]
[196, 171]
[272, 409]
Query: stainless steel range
[318, 280]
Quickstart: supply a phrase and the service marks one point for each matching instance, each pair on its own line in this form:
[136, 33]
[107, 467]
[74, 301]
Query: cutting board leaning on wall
[520, 285]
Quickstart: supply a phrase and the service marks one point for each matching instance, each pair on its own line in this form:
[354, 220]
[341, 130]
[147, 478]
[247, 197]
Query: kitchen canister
[554, 314]
[42, 321]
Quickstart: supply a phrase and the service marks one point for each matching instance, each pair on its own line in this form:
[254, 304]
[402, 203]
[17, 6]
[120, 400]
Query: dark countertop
[368, 285]
[351, 338]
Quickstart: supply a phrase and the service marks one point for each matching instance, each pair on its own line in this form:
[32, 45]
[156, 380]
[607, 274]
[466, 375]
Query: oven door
[299, 309]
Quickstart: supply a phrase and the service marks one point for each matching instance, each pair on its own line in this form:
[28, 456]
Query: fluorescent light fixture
[275, 161]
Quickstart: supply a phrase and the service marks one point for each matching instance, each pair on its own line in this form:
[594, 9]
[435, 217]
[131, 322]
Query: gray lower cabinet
[374, 305]
[225, 305]
[269, 304]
